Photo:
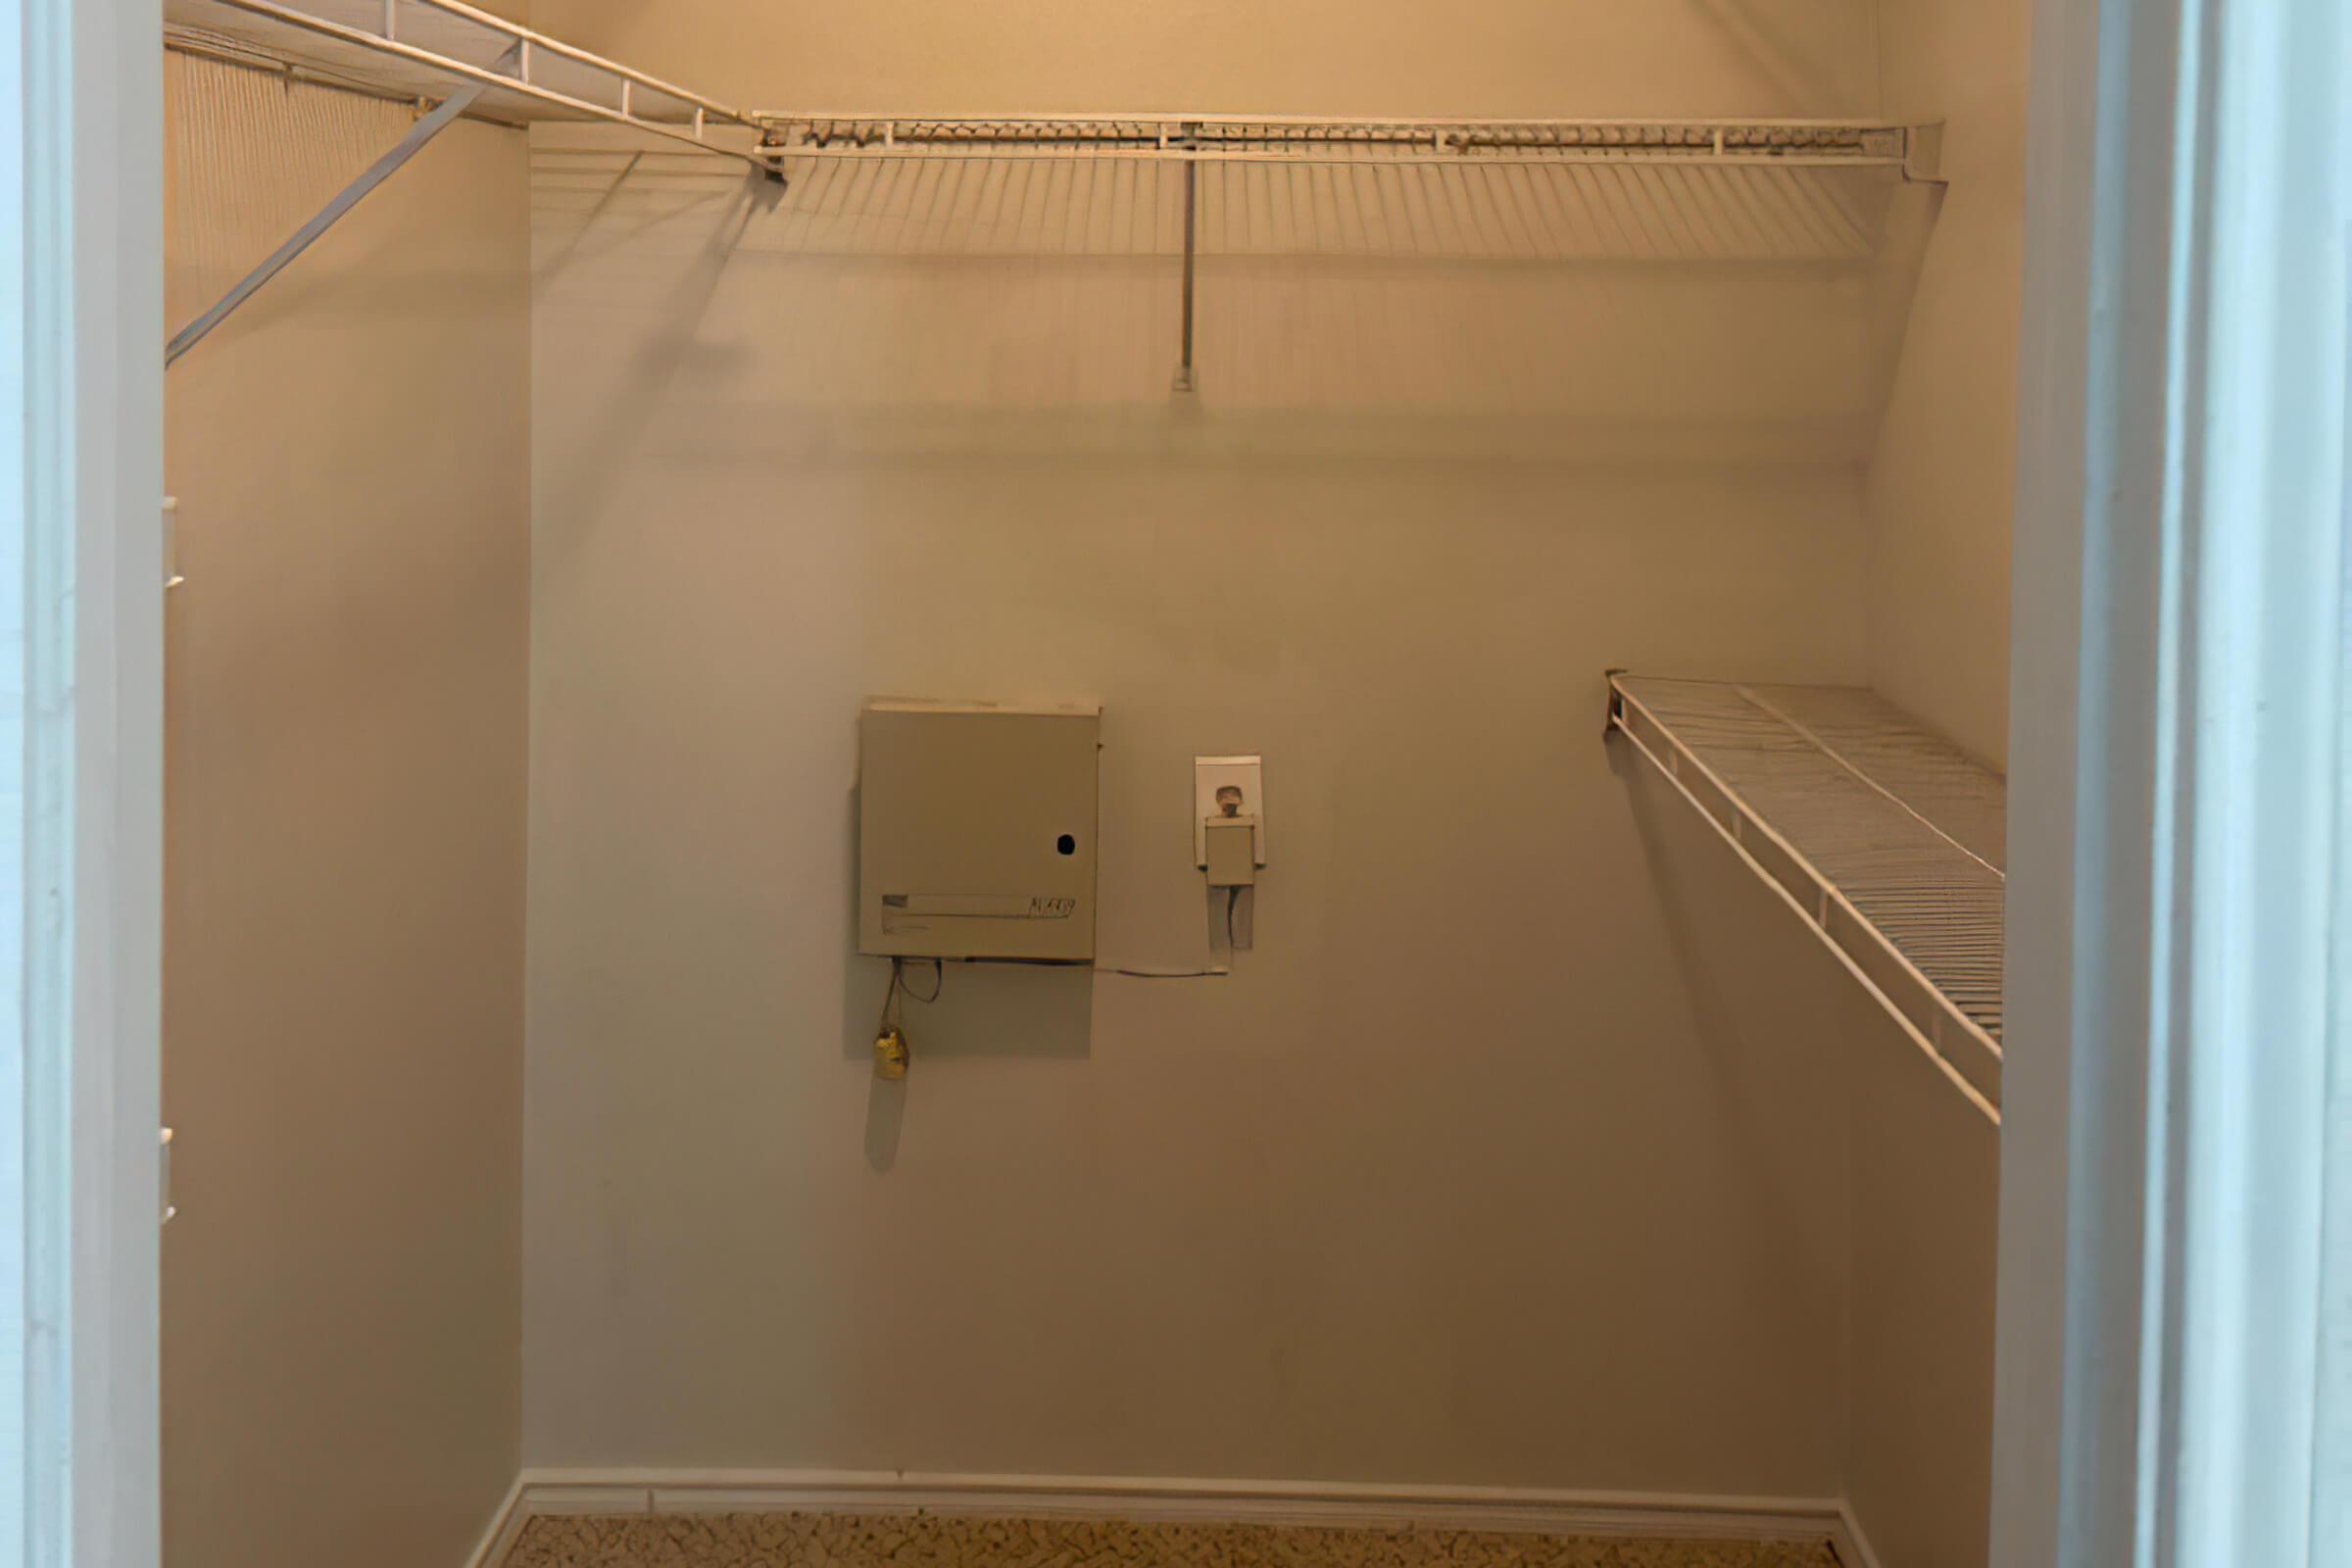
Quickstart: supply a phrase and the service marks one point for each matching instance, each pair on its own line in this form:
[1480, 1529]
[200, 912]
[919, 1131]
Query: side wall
[1926, 1192]
[345, 824]
[1926, 1171]
[1941, 481]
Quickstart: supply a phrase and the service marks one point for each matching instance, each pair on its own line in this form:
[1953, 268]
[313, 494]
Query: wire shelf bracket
[350, 196]
[532, 76]
[1884, 837]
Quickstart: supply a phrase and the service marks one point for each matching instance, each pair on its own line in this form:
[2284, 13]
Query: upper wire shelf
[1233, 138]
[415, 48]
[418, 49]
[1883, 836]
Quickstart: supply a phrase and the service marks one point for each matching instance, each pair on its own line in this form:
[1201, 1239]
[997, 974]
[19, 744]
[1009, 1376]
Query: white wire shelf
[1882, 835]
[421, 49]
[417, 49]
[1226, 138]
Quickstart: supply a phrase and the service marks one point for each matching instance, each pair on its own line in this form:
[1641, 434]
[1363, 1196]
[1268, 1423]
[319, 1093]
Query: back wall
[1452, 1180]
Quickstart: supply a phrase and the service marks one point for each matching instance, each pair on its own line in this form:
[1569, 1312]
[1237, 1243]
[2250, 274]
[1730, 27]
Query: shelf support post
[407, 147]
[1191, 182]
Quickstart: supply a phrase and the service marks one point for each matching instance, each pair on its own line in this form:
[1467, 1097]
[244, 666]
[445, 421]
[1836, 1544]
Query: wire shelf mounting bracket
[404, 48]
[409, 146]
[1884, 838]
[1923, 154]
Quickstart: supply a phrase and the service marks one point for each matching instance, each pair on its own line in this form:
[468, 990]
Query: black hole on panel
[1066, 845]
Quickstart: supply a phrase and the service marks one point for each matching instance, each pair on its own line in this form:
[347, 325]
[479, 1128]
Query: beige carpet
[925, 1541]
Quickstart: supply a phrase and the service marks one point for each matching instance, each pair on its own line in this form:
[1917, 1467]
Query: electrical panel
[977, 831]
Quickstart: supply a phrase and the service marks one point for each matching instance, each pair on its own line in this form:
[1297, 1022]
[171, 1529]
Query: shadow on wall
[1762, 1007]
[980, 1011]
[1902, 254]
[1589, 313]
[1826, 1089]
[662, 356]
[1798, 73]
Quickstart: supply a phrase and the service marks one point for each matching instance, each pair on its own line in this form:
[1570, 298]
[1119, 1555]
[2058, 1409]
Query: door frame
[93, 545]
[2176, 831]
[2088, 619]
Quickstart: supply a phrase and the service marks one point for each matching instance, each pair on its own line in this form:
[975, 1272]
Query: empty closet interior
[1377, 633]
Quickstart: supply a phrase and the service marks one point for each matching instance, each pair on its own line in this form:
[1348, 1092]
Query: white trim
[1853, 1547]
[498, 1537]
[555, 1499]
[93, 234]
[543, 1492]
[2178, 537]
[2253, 838]
[2052, 776]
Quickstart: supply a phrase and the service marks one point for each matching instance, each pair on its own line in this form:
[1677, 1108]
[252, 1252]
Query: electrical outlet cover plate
[1214, 773]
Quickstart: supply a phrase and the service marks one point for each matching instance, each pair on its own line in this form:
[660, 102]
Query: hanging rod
[1275, 138]
[383, 38]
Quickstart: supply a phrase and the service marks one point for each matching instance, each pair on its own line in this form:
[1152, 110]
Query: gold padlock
[889, 1053]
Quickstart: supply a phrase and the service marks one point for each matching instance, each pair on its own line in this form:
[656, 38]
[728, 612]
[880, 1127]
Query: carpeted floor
[929, 1541]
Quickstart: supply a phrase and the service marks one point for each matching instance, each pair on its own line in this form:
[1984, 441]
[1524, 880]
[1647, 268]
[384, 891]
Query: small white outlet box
[1228, 786]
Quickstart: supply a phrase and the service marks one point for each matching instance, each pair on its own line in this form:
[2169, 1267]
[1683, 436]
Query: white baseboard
[1151, 1499]
[506, 1523]
[1849, 1542]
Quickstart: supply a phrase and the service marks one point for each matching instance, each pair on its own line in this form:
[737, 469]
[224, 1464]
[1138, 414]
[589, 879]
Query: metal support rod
[1184, 364]
[407, 147]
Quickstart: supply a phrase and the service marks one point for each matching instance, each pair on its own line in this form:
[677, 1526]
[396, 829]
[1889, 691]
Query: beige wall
[1311, 56]
[1518, 1152]
[1925, 1190]
[344, 837]
[1457, 1179]
[1941, 476]
[1517, 1047]
[1926, 1169]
